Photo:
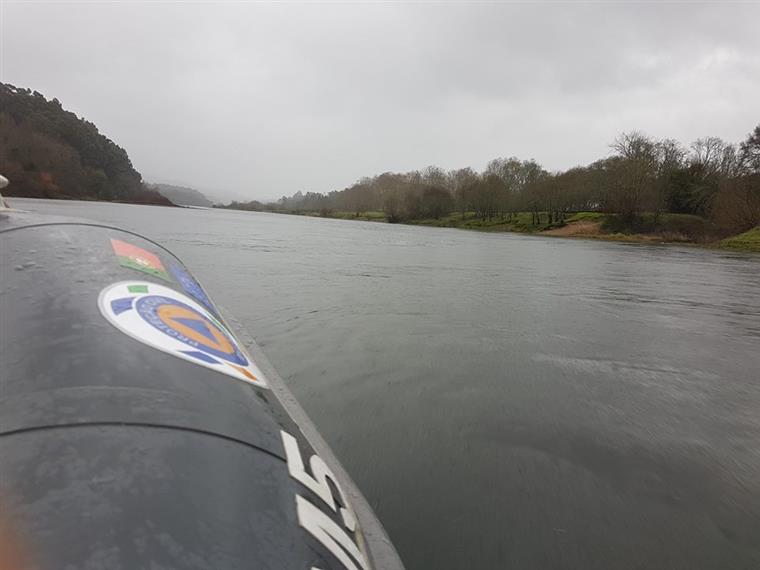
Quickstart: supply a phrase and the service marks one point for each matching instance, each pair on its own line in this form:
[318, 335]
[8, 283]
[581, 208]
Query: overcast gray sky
[262, 100]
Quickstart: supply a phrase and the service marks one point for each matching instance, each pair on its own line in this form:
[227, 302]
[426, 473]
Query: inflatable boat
[140, 429]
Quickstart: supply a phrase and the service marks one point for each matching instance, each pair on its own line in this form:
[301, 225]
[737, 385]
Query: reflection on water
[504, 400]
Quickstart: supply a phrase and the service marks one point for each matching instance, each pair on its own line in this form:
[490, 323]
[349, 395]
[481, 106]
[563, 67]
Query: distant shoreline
[675, 229]
[581, 225]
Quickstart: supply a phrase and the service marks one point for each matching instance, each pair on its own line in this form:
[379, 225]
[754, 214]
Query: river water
[505, 401]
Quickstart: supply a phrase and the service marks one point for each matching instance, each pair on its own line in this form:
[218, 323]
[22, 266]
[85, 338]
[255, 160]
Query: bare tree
[632, 174]
[634, 145]
[460, 181]
[749, 153]
[435, 176]
[708, 154]
[737, 204]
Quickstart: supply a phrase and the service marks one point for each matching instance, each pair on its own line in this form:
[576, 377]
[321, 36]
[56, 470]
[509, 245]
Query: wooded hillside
[181, 195]
[48, 152]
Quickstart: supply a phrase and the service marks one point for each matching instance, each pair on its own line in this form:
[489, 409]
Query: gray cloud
[265, 99]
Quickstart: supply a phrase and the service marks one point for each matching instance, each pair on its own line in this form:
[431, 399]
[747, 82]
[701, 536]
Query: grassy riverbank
[748, 241]
[648, 228]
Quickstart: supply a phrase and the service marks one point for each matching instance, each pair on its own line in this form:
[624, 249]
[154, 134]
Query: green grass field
[586, 217]
[748, 241]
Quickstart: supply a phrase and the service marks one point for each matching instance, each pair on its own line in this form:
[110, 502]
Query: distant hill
[48, 152]
[252, 206]
[181, 195]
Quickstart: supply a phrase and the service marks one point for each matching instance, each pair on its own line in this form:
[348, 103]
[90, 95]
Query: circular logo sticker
[174, 323]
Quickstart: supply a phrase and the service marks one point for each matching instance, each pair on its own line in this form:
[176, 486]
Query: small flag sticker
[137, 258]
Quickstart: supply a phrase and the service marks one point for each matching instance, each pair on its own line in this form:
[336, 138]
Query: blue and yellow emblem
[174, 323]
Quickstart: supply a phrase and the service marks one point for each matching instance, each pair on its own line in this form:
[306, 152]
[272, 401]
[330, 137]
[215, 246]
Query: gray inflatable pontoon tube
[137, 430]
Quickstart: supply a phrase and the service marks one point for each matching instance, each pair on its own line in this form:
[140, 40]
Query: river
[505, 401]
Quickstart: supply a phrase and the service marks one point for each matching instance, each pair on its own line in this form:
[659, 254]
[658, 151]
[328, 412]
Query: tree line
[710, 178]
